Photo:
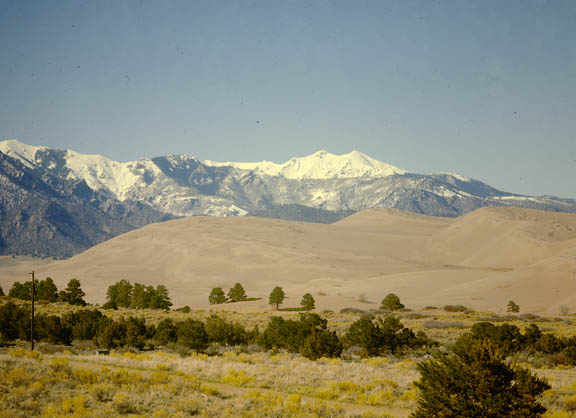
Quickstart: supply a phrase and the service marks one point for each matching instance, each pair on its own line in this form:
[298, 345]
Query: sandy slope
[482, 259]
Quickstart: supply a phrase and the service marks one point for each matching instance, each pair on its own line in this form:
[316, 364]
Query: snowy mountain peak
[321, 165]
[23, 152]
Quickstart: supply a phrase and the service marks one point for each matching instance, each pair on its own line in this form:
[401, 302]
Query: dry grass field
[58, 381]
[480, 260]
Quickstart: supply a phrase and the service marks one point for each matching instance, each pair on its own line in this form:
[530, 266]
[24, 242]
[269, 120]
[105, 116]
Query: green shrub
[456, 308]
[377, 335]
[165, 332]
[192, 334]
[475, 381]
[84, 323]
[308, 336]
[391, 302]
[220, 331]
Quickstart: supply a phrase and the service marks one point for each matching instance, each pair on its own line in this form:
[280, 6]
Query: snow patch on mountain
[458, 176]
[320, 165]
[182, 185]
[101, 173]
[23, 152]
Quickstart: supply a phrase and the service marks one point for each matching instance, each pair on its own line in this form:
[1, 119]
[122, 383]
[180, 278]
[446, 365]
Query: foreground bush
[474, 381]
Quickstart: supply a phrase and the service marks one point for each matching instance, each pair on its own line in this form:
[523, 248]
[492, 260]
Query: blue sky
[483, 88]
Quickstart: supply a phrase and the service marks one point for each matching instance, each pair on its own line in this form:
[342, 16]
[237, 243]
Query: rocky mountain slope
[44, 216]
[185, 186]
[321, 187]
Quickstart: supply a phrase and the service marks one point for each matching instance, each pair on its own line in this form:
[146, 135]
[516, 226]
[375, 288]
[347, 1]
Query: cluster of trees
[91, 324]
[377, 335]
[123, 294]
[309, 335]
[235, 294]
[509, 339]
[46, 290]
[278, 295]
[238, 294]
[15, 324]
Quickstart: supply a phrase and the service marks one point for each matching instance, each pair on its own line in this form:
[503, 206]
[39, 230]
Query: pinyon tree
[47, 290]
[217, 296]
[73, 294]
[475, 381]
[276, 297]
[513, 307]
[237, 293]
[308, 302]
[391, 303]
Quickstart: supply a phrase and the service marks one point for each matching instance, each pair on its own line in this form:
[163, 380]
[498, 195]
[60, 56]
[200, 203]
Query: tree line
[123, 294]
[474, 378]
[238, 294]
[308, 335]
[46, 290]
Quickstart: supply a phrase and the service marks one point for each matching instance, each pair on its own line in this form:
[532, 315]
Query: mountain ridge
[321, 187]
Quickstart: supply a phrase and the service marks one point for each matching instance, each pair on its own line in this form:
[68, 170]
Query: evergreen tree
[110, 334]
[22, 291]
[276, 297]
[220, 331]
[192, 334]
[50, 328]
[73, 294]
[366, 334]
[84, 323]
[475, 381]
[308, 336]
[308, 302]
[217, 296]
[135, 332]
[159, 298]
[391, 303]
[513, 307]
[12, 317]
[47, 290]
[165, 332]
[382, 335]
[140, 296]
[237, 293]
[1, 291]
[119, 295]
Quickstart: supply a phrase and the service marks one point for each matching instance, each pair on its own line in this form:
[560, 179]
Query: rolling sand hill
[482, 260]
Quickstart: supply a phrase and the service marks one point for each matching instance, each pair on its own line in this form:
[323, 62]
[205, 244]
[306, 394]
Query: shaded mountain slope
[44, 216]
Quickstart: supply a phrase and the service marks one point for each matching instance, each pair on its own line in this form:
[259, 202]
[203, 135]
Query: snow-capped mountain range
[320, 165]
[318, 187]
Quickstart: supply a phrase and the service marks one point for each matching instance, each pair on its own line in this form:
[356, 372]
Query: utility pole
[32, 316]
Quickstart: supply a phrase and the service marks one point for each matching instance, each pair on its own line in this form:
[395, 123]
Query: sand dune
[482, 259]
